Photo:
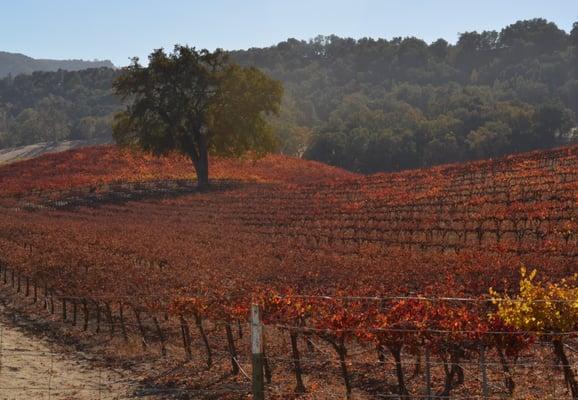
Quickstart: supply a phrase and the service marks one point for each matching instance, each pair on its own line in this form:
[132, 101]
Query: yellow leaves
[541, 307]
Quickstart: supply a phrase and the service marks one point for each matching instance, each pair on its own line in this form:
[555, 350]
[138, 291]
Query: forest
[366, 105]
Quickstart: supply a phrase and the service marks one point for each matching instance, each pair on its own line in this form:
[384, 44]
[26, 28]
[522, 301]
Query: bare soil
[32, 367]
[11, 154]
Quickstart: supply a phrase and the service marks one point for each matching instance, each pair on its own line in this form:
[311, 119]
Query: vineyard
[382, 286]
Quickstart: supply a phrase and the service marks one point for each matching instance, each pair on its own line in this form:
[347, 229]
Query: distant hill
[365, 105]
[16, 64]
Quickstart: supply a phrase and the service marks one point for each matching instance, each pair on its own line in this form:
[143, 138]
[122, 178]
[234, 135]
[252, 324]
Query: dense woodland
[366, 105]
[54, 106]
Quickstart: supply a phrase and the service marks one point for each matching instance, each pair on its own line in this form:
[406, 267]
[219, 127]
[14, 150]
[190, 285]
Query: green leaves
[236, 120]
[196, 103]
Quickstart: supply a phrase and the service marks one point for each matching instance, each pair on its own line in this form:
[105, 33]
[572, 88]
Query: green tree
[574, 35]
[439, 49]
[574, 44]
[54, 122]
[196, 103]
[552, 121]
[537, 34]
[28, 128]
[4, 123]
[92, 128]
[492, 139]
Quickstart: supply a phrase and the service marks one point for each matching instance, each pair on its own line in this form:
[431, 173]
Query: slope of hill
[123, 240]
[12, 154]
[16, 64]
[102, 165]
[366, 105]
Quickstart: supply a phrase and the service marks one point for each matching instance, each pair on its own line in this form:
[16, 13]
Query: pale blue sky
[119, 29]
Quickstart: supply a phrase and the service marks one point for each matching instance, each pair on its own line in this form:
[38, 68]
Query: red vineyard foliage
[289, 232]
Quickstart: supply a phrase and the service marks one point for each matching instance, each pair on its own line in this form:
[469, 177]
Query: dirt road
[8, 155]
[32, 368]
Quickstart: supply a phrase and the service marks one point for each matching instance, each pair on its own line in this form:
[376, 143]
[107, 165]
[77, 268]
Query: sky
[120, 29]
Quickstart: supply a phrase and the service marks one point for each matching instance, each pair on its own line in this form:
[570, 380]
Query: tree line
[55, 106]
[376, 105]
[366, 105]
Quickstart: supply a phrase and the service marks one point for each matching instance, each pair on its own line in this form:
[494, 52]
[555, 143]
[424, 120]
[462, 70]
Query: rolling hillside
[12, 154]
[121, 246]
[16, 64]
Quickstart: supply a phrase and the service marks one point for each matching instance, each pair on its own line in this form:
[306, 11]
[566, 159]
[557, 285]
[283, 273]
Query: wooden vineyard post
[257, 353]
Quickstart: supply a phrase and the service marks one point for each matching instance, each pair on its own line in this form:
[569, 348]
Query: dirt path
[33, 368]
[8, 155]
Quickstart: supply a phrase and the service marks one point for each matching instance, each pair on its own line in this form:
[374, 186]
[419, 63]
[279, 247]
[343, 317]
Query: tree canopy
[377, 105]
[196, 103]
[367, 104]
[51, 106]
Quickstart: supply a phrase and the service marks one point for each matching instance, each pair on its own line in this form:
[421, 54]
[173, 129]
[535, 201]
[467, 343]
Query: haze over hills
[16, 64]
[366, 105]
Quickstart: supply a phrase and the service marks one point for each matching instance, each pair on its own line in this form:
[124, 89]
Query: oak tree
[196, 103]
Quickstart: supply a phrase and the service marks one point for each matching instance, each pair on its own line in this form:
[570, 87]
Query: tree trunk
[300, 388]
[203, 168]
[202, 177]
[341, 350]
[510, 384]
[121, 318]
[309, 343]
[74, 312]
[198, 153]
[199, 323]
[86, 314]
[110, 318]
[380, 355]
[46, 294]
[97, 305]
[232, 349]
[161, 335]
[186, 337]
[141, 328]
[566, 367]
[417, 366]
[396, 353]
[266, 365]
[450, 373]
